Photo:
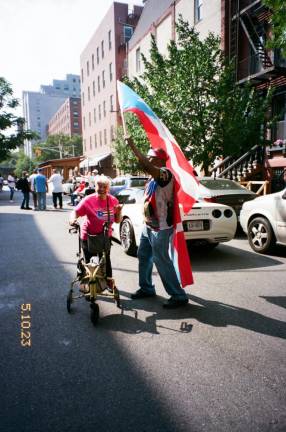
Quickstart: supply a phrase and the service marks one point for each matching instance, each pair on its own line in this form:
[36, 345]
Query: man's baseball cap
[158, 153]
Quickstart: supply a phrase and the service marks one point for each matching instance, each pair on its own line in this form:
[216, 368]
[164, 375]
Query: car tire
[127, 238]
[260, 235]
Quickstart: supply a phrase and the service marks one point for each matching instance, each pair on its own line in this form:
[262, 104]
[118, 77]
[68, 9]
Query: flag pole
[120, 108]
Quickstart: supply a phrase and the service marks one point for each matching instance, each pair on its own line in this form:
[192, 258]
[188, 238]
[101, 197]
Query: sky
[41, 40]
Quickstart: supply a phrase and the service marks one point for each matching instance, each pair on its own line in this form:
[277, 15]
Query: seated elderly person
[99, 208]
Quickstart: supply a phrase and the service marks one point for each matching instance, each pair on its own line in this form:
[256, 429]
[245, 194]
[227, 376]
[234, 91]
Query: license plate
[195, 225]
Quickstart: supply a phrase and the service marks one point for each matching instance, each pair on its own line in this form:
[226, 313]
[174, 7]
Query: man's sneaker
[174, 304]
[139, 294]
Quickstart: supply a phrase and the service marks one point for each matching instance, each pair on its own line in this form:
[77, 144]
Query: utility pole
[60, 149]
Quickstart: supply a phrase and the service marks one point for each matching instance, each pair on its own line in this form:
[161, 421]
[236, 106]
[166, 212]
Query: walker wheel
[116, 297]
[94, 313]
[69, 301]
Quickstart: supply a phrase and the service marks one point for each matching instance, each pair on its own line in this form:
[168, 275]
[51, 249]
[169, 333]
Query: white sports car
[207, 223]
[264, 221]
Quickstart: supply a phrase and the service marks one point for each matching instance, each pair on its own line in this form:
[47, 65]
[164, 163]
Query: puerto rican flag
[185, 184]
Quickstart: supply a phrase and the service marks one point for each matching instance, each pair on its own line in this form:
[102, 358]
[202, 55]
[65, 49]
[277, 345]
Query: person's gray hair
[102, 179]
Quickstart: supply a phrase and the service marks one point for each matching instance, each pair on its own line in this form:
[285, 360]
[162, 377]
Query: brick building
[67, 120]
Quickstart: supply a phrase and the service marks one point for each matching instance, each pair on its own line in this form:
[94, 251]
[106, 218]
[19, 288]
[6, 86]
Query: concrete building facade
[103, 61]
[159, 18]
[39, 107]
[67, 120]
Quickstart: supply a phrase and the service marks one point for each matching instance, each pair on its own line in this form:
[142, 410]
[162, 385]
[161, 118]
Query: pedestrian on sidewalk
[31, 180]
[1, 182]
[41, 187]
[158, 229]
[11, 185]
[23, 185]
[57, 188]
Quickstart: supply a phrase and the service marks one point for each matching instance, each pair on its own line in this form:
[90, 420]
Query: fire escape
[249, 30]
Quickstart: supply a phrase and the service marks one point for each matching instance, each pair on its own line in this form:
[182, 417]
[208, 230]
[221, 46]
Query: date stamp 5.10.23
[26, 340]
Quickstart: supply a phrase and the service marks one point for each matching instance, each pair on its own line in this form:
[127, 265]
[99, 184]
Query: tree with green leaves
[58, 147]
[24, 163]
[278, 23]
[192, 90]
[9, 122]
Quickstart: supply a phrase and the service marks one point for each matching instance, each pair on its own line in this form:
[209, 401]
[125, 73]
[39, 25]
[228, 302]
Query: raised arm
[146, 164]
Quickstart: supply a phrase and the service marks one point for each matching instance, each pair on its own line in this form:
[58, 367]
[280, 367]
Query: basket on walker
[91, 277]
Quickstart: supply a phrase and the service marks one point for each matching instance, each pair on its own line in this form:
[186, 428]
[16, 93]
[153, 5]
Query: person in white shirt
[57, 188]
[31, 180]
[12, 185]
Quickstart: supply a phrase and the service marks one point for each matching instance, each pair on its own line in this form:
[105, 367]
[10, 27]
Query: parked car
[225, 191]
[207, 224]
[264, 221]
[68, 186]
[127, 181]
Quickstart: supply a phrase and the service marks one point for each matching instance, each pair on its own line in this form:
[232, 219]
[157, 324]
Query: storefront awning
[92, 162]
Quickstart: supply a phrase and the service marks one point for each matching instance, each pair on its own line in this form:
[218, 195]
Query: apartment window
[88, 93]
[102, 49]
[105, 137]
[99, 112]
[111, 133]
[127, 33]
[74, 102]
[94, 115]
[103, 79]
[104, 109]
[110, 71]
[89, 119]
[109, 40]
[93, 88]
[87, 68]
[82, 75]
[90, 142]
[111, 102]
[92, 61]
[75, 113]
[82, 98]
[100, 138]
[138, 60]
[83, 122]
[75, 125]
[95, 140]
[84, 144]
[97, 55]
[198, 10]
[98, 83]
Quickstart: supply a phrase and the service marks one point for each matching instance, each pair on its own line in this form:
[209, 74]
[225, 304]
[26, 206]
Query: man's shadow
[213, 313]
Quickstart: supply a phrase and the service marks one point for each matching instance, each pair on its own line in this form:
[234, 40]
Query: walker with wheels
[91, 280]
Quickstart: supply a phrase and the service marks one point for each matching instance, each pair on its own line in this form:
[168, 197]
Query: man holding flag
[158, 229]
[173, 185]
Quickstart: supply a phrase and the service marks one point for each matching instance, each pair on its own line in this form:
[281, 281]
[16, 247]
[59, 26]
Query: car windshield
[135, 182]
[220, 184]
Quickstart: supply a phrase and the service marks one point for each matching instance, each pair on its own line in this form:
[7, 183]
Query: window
[111, 102]
[87, 68]
[84, 144]
[75, 113]
[88, 93]
[83, 122]
[110, 71]
[94, 115]
[74, 102]
[127, 33]
[111, 133]
[138, 60]
[82, 75]
[98, 83]
[100, 138]
[105, 137]
[92, 61]
[75, 125]
[93, 88]
[102, 49]
[89, 119]
[82, 98]
[99, 112]
[109, 40]
[198, 10]
[104, 109]
[103, 79]
[90, 142]
[97, 55]
[95, 140]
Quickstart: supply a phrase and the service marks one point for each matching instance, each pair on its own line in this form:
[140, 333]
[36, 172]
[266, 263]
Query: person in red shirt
[95, 209]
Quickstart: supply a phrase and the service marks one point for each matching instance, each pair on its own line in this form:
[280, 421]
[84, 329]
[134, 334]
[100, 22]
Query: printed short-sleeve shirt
[95, 210]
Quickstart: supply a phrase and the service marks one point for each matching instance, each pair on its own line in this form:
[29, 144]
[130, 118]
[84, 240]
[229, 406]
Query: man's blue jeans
[41, 200]
[154, 249]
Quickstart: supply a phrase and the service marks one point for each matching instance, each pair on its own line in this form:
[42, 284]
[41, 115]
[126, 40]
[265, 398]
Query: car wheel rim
[125, 235]
[259, 235]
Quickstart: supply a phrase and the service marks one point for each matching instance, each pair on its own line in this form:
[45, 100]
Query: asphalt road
[217, 365]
